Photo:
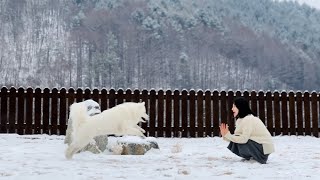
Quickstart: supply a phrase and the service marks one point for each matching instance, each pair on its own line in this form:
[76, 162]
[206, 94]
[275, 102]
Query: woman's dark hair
[243, 105]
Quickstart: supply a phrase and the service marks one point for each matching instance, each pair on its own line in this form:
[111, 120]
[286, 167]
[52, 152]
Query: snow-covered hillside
[311, 3]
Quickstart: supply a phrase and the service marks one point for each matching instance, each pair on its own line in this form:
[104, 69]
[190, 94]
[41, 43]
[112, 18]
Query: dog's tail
[78, 114]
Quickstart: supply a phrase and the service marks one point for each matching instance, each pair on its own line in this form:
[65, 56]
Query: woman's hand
[224, 129]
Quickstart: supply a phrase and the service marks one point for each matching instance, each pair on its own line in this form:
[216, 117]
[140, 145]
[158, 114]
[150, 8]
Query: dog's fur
[119, 120]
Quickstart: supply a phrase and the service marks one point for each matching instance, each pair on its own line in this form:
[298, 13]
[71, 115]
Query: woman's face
[235, 110]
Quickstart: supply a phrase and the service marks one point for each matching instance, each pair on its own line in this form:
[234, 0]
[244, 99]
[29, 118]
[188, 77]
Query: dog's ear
[143, 103]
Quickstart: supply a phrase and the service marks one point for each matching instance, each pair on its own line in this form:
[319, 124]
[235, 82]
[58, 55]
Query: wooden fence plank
[207, 110]
[254, 106]
[37, 111]
[96, 96]
[4, 110]
[262, 108]
[120, 96]
[62, 111]
[216, 114]
[299, 113]
[284, 113]
[223, 105]
[29, 111]
[112, 98]
[168, 128]
[79, 95]
[237, 94]
[128, 95]
[270, 119]
[21, 112]
[145, 99]
[12, 110]
[292, 113]
[87, 94]
[136, 96]
[277, 113]
[306, 105]
[230, 118]
[152, 113]
[199, 122]
[104, 99]
[54, 111]
[184, 113]
[246, 95]
[192, 110]
[176, 114]
[314, 108]
[46, 112]
[160, 113]
[71, 99]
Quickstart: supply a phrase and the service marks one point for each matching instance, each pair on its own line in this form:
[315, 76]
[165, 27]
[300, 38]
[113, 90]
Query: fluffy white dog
[93, 108]
[119, 120]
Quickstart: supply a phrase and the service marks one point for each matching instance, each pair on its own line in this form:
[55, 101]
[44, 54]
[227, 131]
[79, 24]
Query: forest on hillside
[160, 44]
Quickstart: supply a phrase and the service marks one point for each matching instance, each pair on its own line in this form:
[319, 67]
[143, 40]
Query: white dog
[119, 120]
[93, 108]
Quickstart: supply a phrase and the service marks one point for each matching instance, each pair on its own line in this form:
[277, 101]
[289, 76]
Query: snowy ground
[35, 157]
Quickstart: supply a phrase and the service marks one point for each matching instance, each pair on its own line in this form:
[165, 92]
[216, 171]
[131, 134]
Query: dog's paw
[68, 153]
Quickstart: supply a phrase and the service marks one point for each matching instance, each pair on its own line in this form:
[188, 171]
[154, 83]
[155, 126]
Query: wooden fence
[172, 113]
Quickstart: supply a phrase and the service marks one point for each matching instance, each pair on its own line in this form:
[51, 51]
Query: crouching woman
[251, 138]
